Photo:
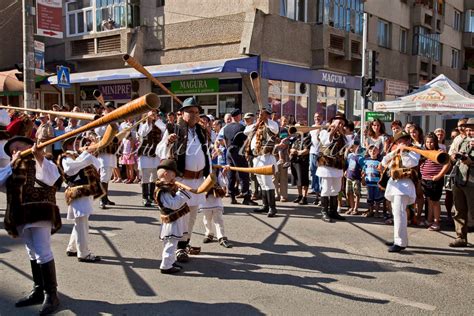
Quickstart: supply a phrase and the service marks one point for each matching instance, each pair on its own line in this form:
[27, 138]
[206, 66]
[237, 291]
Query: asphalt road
[293, 264]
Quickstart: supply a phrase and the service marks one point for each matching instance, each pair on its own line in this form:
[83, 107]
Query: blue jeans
[313, 166]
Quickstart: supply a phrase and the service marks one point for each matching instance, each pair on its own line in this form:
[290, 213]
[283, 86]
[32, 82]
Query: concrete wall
[10, 35]
[393, 11]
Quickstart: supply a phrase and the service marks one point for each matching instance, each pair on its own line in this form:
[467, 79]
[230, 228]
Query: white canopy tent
[440, 95]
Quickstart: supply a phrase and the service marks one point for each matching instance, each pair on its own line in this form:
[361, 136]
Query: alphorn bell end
[96, 93]
[443, 158]
[254, 75]
[126, 57]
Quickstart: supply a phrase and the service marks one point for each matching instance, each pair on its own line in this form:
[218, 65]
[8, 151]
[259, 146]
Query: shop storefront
[216, 96]
[298, 92]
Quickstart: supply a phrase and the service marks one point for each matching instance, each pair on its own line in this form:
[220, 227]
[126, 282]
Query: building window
[294, 9]
[426, 44]
[469, 21]
[289, 99]
[403, 40]
[88, 16]
[342, 14]
[79, 17]
[455, 59]
[160, 3]
[457, 21]
[383, 34]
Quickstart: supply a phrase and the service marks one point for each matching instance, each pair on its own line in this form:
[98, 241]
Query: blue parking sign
[63, 77]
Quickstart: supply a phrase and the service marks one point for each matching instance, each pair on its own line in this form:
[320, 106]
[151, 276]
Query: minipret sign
[195, 86]
[49, 18]
[383, 116]
[116, 91]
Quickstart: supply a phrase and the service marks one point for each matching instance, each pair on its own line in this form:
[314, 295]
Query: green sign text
[195, 86]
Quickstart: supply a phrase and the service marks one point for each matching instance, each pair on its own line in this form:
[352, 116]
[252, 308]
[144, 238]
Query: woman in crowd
[376, 136]
[441, 135]
[417, 140]
[432, 180]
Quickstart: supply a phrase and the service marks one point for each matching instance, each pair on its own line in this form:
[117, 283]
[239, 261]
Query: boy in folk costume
[150, 134]
[261, 138]
[172, 203]
[83, 185]
[213, 210]
[32, 214]
[108, 160]
[400, 189]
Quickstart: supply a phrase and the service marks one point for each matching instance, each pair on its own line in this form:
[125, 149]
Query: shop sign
[332, 79]
[39, 58]
[49, 18]
[195, 86]
[383, 116]
[116, 91]
[396, 87]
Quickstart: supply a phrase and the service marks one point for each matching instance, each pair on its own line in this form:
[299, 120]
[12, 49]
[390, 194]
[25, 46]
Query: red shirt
[429, 169]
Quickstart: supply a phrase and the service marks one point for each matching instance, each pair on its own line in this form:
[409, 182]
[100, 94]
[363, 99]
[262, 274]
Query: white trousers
[38, 243]
[214, 216]
[266, 182]
[79, 237]
[399, 210]
[330, 186]
[149, 175]
[106, 173]
[169, 253]
[190, 221]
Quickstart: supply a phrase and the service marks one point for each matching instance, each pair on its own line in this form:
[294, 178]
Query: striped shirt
[429, 169]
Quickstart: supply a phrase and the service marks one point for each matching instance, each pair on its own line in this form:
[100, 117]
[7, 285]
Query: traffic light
[373, 70]
[19, 67]
[367, 85]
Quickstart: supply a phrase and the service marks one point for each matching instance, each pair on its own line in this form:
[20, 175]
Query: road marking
[380, 296]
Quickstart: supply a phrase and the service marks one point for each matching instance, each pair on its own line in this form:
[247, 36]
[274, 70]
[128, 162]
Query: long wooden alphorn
[255, 80]
[264, 170]
[76, 115]
[99, 97]
[109, 135]
[138, 106]
[434, 155]
[204, 187]
[139, 67]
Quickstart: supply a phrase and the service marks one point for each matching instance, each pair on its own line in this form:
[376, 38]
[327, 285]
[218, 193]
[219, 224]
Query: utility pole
[362, 90]
[28, 54]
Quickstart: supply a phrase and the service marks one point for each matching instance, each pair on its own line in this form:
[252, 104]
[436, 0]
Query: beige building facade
[308, 52]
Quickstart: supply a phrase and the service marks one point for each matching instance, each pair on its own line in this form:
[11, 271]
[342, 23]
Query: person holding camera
[463, 189]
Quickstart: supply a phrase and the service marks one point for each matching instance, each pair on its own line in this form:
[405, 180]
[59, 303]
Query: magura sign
[49, 18]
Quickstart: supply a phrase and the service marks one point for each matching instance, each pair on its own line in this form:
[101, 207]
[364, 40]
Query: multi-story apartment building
[308, 52]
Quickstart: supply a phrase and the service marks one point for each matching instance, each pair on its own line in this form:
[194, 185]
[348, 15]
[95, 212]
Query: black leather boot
[145, 194]
[264, 207]
[151, 195]
[333, 209]
[51, 300]
[325, 204]
[36, 295]
[271, 203]
[248, 201]
[103, 199]
[233, 200]
[106, 196]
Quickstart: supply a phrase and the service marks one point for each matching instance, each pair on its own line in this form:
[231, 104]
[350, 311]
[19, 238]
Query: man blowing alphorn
[189, 147]
[33, 215]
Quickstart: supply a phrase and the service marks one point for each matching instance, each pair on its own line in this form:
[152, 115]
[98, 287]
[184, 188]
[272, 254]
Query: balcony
[423, 14]
[99, 45]
[468, 40]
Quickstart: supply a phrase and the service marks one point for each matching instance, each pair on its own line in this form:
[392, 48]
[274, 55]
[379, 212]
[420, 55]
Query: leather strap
[187, 174]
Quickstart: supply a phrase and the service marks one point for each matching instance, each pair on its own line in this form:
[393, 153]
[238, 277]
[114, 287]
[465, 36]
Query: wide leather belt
[187, 174]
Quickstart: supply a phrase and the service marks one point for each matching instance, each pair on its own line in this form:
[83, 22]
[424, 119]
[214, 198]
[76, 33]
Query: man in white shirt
[189, 146]
[261, 142]
[313, 157]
